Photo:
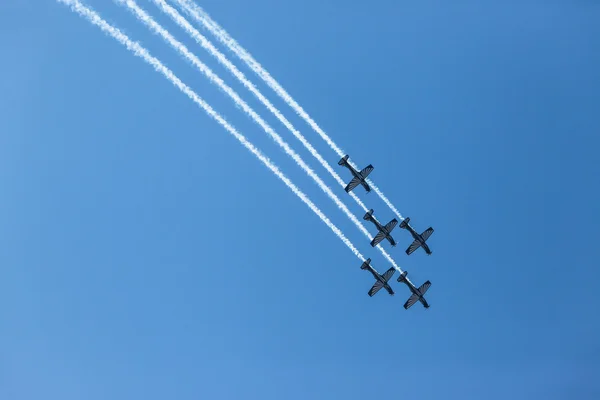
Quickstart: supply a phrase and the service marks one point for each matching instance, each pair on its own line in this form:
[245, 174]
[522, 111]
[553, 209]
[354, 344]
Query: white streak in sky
[149, 21]
[208, 46]
[203, 18]
[141, 52]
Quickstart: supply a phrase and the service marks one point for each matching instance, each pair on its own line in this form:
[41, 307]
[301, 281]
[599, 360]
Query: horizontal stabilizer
[402, 276]
[369, 215]
[366, 264]
[344, 160]
[404, 223]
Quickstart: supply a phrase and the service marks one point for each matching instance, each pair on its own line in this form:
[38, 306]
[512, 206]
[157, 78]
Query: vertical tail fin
[369, 215]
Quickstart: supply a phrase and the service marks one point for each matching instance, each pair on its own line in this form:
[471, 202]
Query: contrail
[203, 18]
[141, 52]
[147, 20]
[207, 45]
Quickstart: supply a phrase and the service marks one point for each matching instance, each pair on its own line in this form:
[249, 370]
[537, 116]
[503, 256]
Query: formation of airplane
[381, 281]
[384, 232]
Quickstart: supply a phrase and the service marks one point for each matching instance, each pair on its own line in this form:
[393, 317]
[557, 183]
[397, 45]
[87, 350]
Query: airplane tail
[344, 160]
[402, 277]
[369, 215]
[366, 264]
[404, 223]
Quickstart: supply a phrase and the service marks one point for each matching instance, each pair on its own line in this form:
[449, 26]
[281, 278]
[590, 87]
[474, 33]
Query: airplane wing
[424, 287]
[411, 300]
[425, 235]
[376, 287]
[353, 183]
[366, 171]
[377, 239]
[389, 273]
[411, 249]
[391, 225]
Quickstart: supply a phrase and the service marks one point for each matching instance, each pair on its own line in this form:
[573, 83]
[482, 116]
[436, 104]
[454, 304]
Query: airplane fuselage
[353, 171]
[381, 228]
[418, 237]
[378, 225]
[379, 278]
[358, 176]
[414, 233]
[375, 274]
[414, 290]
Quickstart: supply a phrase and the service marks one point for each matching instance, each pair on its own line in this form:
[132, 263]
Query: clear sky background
[145, 254]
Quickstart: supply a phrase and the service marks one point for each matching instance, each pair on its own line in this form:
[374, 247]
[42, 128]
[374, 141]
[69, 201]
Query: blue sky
[146, 254]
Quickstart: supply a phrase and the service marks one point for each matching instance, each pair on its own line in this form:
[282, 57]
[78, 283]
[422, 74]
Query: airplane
[384, 231]
[382, 280]
[419, 239]
[417, 294]
[358, 177]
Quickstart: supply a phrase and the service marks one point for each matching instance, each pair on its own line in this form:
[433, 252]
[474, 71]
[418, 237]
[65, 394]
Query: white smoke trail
[149, 21]
[141, 52]
[203, 18]
[207, 45]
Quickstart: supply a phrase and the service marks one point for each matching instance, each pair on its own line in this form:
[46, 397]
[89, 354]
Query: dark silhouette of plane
[417, 294]
[384, 231]
[419, 239]
[359, 178]
[381, 280]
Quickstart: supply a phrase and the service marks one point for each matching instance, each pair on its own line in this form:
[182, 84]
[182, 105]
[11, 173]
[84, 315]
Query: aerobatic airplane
[381, 280]
[417, 294]
[384, 231]
[358, 177]
[419, 239]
